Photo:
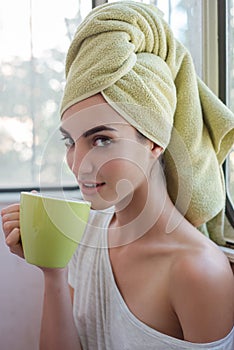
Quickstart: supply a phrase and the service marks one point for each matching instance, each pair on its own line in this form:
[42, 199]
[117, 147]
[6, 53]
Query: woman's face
[104, 153]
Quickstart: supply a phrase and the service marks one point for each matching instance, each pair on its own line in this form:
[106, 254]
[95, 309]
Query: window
[34, 39]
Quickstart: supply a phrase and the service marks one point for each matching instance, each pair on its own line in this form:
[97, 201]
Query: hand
[11, 229]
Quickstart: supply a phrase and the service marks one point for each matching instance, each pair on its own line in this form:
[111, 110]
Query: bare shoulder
[202, 293]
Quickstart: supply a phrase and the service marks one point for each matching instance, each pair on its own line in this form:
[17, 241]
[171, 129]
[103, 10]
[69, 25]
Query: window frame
[98, 2]
[222, 84]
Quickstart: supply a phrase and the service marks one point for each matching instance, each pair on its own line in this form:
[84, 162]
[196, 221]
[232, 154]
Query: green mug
[51, 228]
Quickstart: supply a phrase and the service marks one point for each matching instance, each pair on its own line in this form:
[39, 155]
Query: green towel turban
[128, 53]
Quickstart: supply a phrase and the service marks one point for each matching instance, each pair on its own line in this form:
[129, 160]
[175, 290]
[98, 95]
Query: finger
[9, 226]
[10, 217]
[13, 241]
[17, 249]
[13, 238]
[10, 209]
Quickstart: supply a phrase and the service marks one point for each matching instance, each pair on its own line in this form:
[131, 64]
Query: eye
[101, 141]
[69, 142]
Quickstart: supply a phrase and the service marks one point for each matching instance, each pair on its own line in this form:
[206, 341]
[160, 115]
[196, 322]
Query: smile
[90, 188]
[92, 185]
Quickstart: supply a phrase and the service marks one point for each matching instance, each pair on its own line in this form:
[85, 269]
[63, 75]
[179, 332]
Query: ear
[156, 150]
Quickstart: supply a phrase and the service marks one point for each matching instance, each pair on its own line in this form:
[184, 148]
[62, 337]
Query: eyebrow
[97, 129]
[91, 131]
[63, 131]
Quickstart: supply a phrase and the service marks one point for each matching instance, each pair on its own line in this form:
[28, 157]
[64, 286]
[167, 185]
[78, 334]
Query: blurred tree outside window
[34, 37]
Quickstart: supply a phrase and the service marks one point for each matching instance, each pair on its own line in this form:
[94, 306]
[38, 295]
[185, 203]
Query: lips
[91, 187]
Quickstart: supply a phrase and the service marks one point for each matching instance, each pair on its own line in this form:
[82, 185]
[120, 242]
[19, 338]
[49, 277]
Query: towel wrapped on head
[128, 53]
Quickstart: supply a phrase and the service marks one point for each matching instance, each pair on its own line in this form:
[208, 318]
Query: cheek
[69, 158]
[108, 170]
[119, 169]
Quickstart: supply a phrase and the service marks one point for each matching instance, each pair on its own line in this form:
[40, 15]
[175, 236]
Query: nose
[79, 161]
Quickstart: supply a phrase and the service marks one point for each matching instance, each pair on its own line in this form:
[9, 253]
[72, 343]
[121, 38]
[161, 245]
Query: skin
[178, 283]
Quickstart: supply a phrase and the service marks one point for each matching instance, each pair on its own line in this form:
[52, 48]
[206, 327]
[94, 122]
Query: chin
[99, 204]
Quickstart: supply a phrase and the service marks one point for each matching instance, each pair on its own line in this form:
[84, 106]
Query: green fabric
[126, 51]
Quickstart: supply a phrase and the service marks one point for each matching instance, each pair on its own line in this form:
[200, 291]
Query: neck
[148, 208]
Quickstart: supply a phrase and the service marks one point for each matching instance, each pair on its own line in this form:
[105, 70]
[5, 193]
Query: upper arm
[202, 294]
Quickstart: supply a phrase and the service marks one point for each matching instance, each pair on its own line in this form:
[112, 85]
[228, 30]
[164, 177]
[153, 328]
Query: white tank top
[102, 318]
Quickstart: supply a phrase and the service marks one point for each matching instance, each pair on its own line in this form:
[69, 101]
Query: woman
[143, 276]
